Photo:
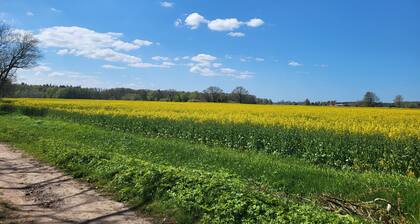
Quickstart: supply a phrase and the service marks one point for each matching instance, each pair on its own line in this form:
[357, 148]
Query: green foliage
[90, 151]
[339, 150]
[76, 92]
[207, 197]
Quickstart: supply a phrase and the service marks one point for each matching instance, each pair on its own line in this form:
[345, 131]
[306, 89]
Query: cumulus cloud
[30, 14]
[294, 63]
[79, 41]
[236, 34]
[194, 20]
[259, 59]
[205, 65]
[203, 58]
[256, 22]
[167, 4]
[224, 24]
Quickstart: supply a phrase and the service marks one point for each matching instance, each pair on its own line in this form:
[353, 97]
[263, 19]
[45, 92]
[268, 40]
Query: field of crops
[232, 163]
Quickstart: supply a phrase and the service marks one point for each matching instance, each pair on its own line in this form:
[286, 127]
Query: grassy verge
[272, 175]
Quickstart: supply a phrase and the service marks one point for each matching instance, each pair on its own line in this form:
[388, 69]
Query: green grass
[360, 152]
[251, 169]
[207, 197]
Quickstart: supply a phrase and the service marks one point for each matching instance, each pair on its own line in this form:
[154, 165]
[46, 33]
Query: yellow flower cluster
[394, 123]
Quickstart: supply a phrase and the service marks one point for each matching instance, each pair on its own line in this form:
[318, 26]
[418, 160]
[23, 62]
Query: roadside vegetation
[198, 183]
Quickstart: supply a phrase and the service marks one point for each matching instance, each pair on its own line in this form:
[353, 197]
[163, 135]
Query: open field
[232, 163]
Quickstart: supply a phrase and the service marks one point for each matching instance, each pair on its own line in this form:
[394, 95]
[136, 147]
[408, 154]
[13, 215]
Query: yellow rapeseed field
[394, 123]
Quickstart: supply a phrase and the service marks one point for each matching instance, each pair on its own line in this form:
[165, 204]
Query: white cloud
[168, 63]
[256, 22]
[38, 69]
[108, 66]
[224, 24]
[203, 59]
[167, 4]
[46, 75]
[21, 32]
[259, 59]
[30, 14]
[150, 65]
[79, 41]
[217, 65]
[236, 74]
[55, 10]
[205, 65]
[236, 34]
[194, 20]
[160, 58]
[178, 22]
[141, 43]
[294, 64]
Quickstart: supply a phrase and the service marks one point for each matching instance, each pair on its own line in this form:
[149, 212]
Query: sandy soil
[36, 193]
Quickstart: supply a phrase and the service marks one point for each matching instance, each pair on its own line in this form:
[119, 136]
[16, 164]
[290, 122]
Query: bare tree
[240, 94]
[370, 99]
[18, 50]
[398, 101]
[213, 94]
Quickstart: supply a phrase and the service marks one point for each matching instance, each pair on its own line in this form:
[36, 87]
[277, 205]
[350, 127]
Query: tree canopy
[18, 50]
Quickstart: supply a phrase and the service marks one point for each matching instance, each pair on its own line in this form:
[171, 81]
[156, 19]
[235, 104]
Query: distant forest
[211, 94]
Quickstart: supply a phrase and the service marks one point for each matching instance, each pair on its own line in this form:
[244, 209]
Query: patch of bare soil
[35, 193]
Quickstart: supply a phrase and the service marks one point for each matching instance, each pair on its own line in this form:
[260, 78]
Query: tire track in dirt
[38, 193]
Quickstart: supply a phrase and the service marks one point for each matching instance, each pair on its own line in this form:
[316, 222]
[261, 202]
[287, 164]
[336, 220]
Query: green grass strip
[282, 175]
[206, 197]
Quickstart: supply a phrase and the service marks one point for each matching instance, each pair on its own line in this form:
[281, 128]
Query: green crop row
[291, 177]
[201, 196]
[360, 152]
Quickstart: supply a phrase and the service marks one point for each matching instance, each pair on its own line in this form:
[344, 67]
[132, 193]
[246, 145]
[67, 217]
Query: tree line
[370, 99]
[211, 94]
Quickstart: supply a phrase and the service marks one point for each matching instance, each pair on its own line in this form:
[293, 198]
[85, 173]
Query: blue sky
[284, 50]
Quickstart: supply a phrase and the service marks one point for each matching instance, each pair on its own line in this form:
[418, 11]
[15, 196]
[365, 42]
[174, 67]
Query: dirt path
[41, 194]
